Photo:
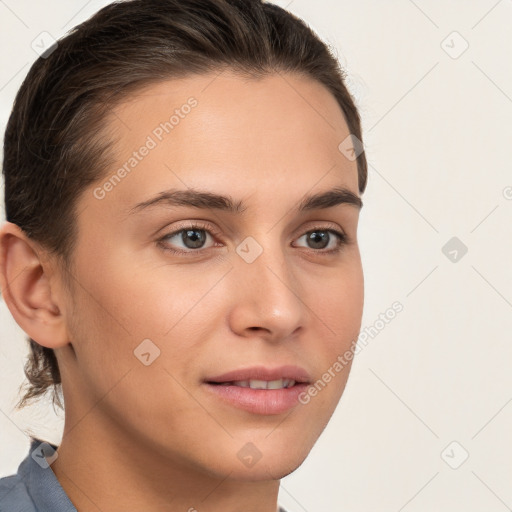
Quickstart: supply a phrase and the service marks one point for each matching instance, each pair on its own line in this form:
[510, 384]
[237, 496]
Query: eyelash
[343, 239]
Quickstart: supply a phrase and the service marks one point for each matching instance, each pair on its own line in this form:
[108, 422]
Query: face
[171, 295]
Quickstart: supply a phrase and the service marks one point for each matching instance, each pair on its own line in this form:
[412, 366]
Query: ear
[25, 287]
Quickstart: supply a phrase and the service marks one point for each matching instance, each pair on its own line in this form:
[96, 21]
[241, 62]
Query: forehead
[230, 91]
[223, 130]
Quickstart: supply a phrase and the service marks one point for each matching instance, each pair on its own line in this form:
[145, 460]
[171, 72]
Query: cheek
[111, 320]
[339, 306]
[338, 317]
[121, 304]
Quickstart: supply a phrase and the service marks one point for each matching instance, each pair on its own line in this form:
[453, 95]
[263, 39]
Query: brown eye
[193, 238]
[187, 240]
[321, 239]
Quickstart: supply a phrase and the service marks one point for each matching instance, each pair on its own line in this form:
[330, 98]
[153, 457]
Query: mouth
[260, 390]
[258, 384]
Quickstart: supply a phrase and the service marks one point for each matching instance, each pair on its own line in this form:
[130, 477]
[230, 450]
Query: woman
[183, 183]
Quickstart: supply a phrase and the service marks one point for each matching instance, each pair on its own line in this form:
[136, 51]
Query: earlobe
[26, 288]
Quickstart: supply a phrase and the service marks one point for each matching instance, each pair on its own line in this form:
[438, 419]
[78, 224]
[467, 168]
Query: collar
[41, 483]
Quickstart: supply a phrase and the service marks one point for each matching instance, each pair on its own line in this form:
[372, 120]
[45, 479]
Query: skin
[151, 437]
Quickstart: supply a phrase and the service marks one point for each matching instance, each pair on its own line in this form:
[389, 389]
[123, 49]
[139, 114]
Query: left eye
[321, 238]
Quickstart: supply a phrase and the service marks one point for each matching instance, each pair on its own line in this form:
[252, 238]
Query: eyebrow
[208, 200]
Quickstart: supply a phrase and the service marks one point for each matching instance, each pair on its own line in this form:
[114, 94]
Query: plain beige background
[425, 421]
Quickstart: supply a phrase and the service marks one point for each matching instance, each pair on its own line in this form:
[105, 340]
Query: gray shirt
[35, 487]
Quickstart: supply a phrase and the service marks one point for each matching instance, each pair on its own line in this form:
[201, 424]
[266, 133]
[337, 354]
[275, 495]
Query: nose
[267, 301]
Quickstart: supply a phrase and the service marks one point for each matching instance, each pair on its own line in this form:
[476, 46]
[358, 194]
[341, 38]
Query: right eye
[193, 238]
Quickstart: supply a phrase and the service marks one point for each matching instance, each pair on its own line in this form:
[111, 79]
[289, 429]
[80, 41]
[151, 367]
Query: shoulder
[35, 487]
[32, 483]
[14, 495]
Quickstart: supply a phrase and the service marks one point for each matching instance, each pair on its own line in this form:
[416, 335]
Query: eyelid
[189, 225]
[323, 225]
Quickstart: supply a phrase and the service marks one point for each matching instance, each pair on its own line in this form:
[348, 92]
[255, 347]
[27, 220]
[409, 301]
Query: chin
[266, 458]
[274, 468]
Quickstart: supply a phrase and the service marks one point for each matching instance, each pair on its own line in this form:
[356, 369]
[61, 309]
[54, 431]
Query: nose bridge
[268, 293]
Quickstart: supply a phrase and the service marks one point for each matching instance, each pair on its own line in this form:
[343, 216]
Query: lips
[263, 373]
[260, 390]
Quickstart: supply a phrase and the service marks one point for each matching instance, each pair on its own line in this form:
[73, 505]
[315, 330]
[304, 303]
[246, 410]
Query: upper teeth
[264, 384]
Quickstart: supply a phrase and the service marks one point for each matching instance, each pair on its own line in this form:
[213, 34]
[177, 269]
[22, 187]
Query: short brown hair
[52, 148]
